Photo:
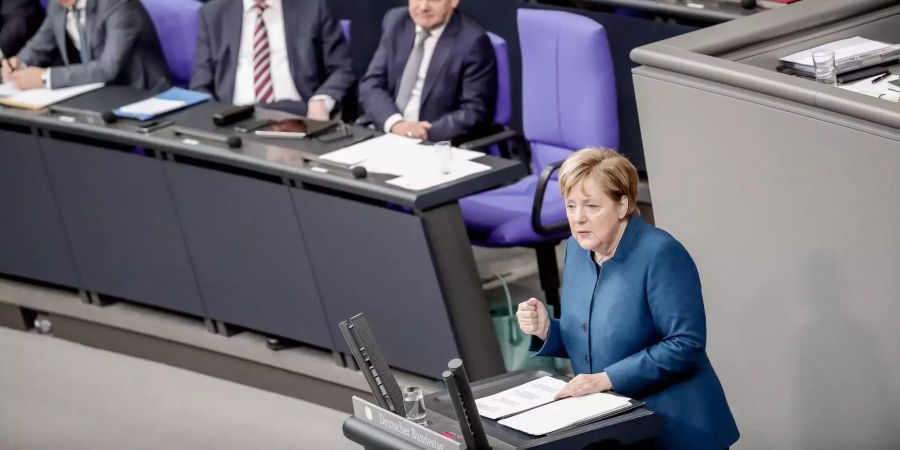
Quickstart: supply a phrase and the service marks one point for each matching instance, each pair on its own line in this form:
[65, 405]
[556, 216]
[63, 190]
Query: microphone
[230, 141]
[748, 4]
[232, 115]
[108, 117]
[357, 171]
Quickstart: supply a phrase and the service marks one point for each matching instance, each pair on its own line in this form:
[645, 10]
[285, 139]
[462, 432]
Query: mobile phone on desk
[153, 125]
[252, 126]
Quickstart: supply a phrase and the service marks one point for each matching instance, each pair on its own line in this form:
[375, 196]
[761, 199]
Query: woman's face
[594, 217]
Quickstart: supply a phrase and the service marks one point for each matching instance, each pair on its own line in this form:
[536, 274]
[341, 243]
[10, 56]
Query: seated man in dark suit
[19, 20]
[290, 54]
[109, 41]
[434, 75]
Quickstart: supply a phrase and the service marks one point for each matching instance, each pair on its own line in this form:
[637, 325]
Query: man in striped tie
[286, 54]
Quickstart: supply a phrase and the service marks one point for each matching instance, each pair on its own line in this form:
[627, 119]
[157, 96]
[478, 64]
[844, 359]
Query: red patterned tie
[262, 70]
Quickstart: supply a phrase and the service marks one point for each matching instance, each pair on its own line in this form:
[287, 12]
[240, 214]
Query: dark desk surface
[293, 159]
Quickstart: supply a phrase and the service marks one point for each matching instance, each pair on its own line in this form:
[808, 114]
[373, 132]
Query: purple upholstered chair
[345, 27]
[568, 102]
[504, 107]
[44, 3]
[176, 23]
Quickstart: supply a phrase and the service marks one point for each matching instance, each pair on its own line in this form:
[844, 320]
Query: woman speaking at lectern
[632, 311]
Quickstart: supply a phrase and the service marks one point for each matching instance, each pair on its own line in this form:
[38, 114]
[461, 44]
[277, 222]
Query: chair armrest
[539, 192]
[489, 140]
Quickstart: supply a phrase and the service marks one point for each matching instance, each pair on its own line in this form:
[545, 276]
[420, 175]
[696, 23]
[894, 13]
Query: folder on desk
[163, 103]
[849, 54]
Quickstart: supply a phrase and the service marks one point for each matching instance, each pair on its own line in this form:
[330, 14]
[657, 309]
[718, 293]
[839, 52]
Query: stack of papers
[41, 98]
[530, 407]
[166, 102]
[849, 54]
[881, 89]
[416, 165]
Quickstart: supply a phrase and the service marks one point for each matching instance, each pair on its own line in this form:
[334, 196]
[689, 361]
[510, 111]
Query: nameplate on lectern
[402, 427]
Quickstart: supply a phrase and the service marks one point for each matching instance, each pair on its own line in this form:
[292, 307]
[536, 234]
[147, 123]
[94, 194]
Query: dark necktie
[262, 69]
[411, 71]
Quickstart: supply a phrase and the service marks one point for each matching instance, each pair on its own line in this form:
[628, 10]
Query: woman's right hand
[533, 320]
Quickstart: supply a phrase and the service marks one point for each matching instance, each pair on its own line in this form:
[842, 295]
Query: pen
[880, 77]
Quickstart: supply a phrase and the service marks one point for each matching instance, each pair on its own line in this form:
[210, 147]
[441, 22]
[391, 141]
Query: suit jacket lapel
[291, 25]
[404, 47]
[90, 17]
[232, 28]
[59, 30]
[441, 55]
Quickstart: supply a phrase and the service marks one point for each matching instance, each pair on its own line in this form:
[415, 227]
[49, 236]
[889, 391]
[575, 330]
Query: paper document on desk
[427, 179]
[881, 89]
[172, 99]
[520, 398]
[568, 412]
[844, 48]
[8, 88]
[397, 155]
[42, 98]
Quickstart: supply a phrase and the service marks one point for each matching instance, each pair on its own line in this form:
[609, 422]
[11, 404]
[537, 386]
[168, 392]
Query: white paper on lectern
[371, 148]
[566, 412]
[843, 48]
[8, 88]
[42, 98]
[520, 398]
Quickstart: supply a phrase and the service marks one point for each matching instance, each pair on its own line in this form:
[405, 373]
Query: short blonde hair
[609, 169]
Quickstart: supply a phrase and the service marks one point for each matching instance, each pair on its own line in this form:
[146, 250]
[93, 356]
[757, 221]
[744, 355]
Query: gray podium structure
[786, 193]
[255, 237]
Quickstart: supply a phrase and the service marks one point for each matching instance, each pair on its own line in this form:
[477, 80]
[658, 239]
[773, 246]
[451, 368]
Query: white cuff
[48, 83]
[391, 121]
[329, 102]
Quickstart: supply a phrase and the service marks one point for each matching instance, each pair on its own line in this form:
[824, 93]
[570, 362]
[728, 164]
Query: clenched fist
[533, 320]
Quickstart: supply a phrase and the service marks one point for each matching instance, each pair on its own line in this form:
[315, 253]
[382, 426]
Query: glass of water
[414, 403]
[823, 60]
[443, 152]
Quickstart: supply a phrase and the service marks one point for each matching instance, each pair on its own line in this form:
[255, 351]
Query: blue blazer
[640, 319]
[460, 92]
[318, 55]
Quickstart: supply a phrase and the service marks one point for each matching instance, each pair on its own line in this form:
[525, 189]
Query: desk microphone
[230, 141]
[748, 4]
[106, 116]
[357, 171]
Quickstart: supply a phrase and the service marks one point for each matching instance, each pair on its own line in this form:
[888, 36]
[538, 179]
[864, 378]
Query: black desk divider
[368, 357]
[460, 392]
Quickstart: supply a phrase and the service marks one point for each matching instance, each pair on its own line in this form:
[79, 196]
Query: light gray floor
[55, 394]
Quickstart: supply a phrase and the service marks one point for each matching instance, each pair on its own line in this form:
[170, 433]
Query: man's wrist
[391, 121]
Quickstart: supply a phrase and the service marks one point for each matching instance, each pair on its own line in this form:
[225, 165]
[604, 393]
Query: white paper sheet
[429, 178]
[397, 155]
[152, 106]
[42, 98]
[881, 89]
[842, 49]
[8, 88]
[520, 398]
[566, 412]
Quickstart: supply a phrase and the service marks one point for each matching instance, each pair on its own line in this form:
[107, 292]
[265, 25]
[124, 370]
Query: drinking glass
[444, 154]
[823, 60]
[414, 403]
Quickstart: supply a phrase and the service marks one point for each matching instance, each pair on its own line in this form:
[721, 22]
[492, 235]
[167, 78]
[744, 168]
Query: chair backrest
[176, 23]
[345, 27]
[44, 3]
[503, 111]
[568, 85]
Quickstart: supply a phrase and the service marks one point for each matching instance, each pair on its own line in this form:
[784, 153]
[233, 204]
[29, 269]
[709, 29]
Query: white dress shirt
[282, 82]
[77, 12]
[411, 112]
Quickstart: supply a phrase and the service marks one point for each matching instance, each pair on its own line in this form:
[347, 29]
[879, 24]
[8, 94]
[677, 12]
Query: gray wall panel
[377, 261]
[793, 223]
[32, 241]
[118, 213]
[248, 253]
